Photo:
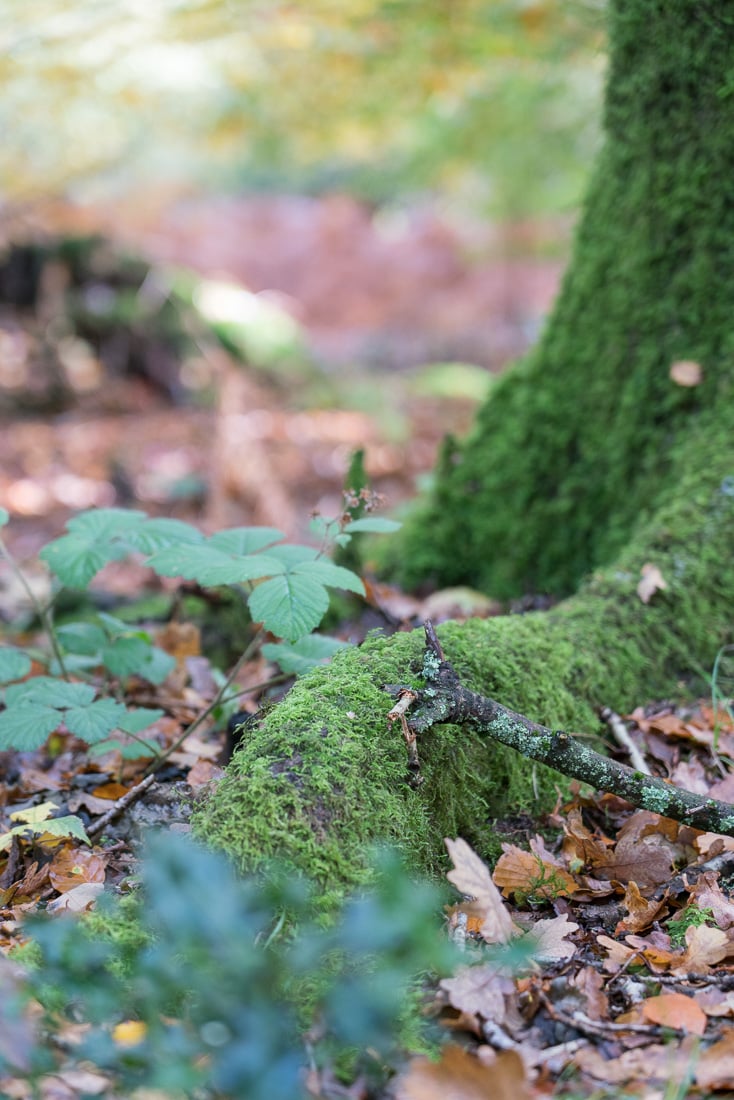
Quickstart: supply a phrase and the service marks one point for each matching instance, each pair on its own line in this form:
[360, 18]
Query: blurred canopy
[494, 102]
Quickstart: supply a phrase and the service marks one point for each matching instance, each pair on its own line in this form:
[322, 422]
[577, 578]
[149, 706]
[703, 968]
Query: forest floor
[631, 991]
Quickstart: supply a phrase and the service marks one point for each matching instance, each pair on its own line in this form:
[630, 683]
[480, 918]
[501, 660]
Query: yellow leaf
[129, 1033]
[34, 814]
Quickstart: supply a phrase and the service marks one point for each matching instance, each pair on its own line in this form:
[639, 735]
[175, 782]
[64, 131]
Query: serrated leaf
[289, 605]
[106, 522]
[375, 525]
[135, 721]
[14, 663]
[95, 721]
[126, 656]
[49, 692]
[293, 554]
[157, 665]
[85, 639]
[26, 727]
[33, 815]
[113, 626]
[156, 534]
[76, 559]
[134, 750]
[62, 826]
[336, 576]
[245, 540]
[301, 656]
[209, 566]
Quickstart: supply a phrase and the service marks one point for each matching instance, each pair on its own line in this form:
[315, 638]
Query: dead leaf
[715, 1002]
[618, 954]
[460, 1076]
[707, 894]
[479, 990]
[675, 1010]
[645, 852]
[77, 900]
[110, 791]
[527, 874]
[641, 911]
[715, 1067]
[590, 985]
[551, 939]
[705, 946]
[652, 581]
[471, 876]
[686, 372]
[73, 866]
[658, 1062]
[203, 772]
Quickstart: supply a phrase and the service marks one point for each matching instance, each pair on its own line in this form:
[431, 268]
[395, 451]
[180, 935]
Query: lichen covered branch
[444, 699]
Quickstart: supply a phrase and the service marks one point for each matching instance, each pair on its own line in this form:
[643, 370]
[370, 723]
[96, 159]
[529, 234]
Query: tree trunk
[588, 459]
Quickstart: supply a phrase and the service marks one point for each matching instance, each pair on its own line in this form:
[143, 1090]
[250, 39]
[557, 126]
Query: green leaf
[292, 554]
[336, 576]
[95, 538]
[135, 721]
[131, 750]
[157, 665]
[210, 566]
[289, 605]
[93, 722]
[14, 663]
[27, 727]
[59, 826]
[156, 534]
[245, 540]
[85, 639]
[105, 523]
[50, 692]
[374, 524]
[303, 655]
[127, 656]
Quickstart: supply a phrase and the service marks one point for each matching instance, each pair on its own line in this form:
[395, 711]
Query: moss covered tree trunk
[588, 461]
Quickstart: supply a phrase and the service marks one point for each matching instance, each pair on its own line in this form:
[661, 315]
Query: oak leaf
[527, 873]
[551, 939]
[461, 1076]
[471, 876]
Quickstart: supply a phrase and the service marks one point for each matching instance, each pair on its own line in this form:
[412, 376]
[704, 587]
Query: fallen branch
[444, 699]
[120, 805]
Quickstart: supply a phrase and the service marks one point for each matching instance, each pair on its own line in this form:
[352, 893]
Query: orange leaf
[460, 1076]
[677, 1011]
[73, 866]
[526, 873]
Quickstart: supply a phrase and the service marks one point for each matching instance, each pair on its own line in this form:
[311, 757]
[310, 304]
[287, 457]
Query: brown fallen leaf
[551, 939]
[715, 1067]
[675, 1010]
[73, 866]
[659, 1062]
[458, 1075]
[77, 900]
[652, 581]
[705, 946]
[641, 912]
[526, 873]
[715, 1002]
[480, 990]
[707, 894]
[471, 876]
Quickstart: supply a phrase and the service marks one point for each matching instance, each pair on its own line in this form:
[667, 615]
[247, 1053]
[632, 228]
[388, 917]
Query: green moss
[573, 446]
[588, 460]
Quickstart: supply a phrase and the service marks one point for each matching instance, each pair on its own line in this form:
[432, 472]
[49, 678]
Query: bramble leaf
[49, 692]
[245, 540]
[14, 663]
[375, 525]
[301, 656]
[93, 722]
[289, 605]
[210, 566]
[155, 534]
[135, 721]
[27, 727]
[335, 576]
[94, 539]
[293, 554]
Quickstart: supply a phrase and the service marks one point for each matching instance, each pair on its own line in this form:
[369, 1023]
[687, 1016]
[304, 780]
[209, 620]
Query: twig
[121, 804]
[406, 697]
[445, 700]
[621, 734]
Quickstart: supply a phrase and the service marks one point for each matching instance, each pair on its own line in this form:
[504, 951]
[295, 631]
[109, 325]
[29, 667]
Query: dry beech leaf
[705, 946]
[528, 873]
[479, 990]
[652, 581]
[551, 943]
[78, 900]
[675, 1010]
[641, 911]
[460, 1076]
[715, 1066]
[686, 372]
[471, 876]
[659, 1062]
[73, 866]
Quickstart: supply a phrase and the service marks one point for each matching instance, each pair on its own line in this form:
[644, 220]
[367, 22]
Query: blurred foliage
[494, 102]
